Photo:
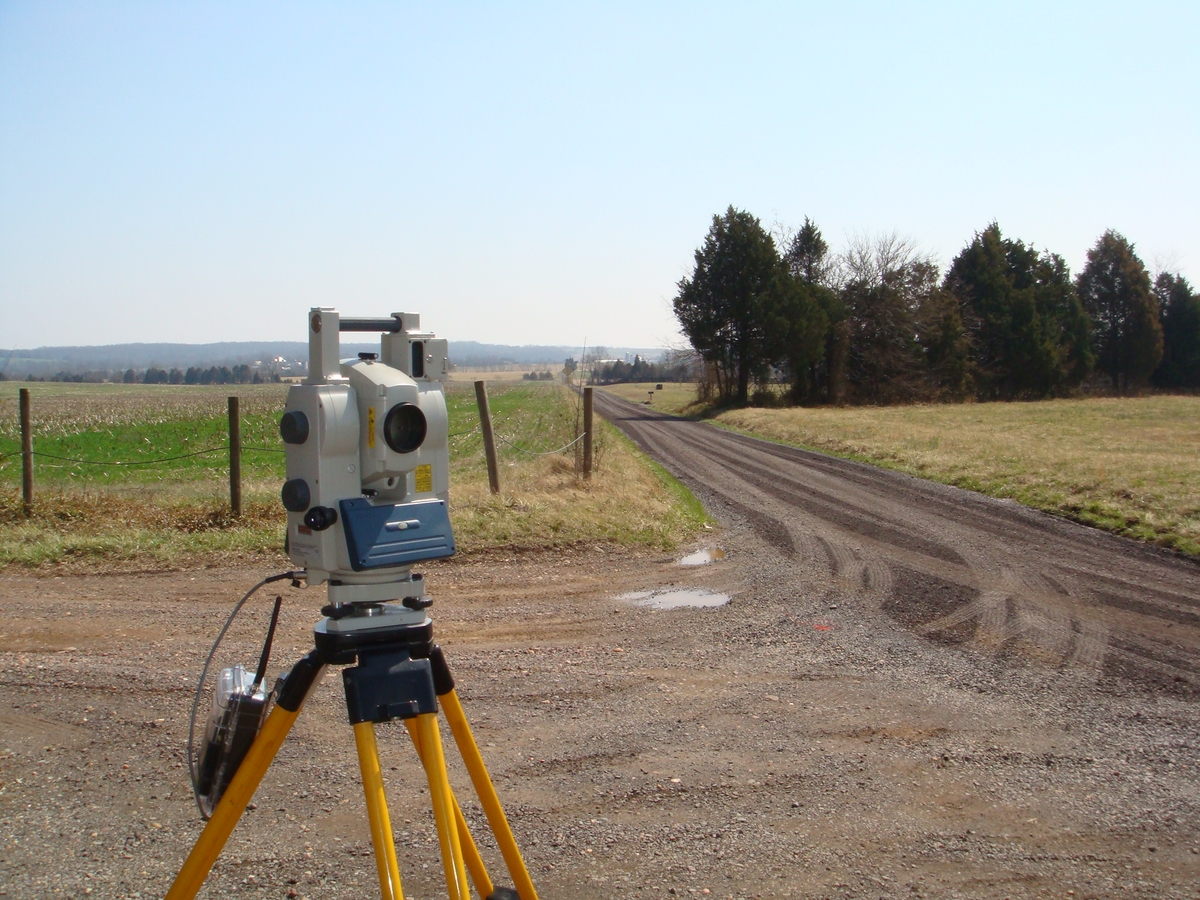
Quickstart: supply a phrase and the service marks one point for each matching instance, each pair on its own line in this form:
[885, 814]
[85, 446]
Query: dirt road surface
[914, 692]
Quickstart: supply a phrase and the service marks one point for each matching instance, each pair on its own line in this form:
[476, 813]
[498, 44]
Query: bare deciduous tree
[883, 281]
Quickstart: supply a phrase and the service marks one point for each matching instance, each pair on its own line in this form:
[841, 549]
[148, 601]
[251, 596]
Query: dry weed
[543, 503]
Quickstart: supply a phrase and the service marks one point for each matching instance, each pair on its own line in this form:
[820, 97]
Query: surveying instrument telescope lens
[405, 427]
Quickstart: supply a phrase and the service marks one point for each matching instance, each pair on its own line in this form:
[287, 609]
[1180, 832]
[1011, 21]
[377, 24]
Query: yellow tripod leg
[457, 720]
[471, 856]
[377, 812]
[439, 791]
[233, 803]
[245, 781]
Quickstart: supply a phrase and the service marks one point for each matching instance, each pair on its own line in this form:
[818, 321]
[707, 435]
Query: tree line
[676, 367]
[239, 374]
[879, 323]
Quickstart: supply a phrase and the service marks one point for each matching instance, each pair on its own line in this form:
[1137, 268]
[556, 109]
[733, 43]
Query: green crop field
[120, 431]
[1128, 465]
[140, 473]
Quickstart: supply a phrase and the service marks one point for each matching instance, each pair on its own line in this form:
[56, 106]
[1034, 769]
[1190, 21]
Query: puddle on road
[703, 557]
[676, 599]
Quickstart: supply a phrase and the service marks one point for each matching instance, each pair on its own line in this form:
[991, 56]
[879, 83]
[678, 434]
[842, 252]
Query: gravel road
[914, 692]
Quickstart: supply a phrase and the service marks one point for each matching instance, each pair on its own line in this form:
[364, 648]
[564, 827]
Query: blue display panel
[396, 534]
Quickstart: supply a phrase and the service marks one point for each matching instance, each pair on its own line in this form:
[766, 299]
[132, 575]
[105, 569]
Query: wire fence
[224, 448]
[525, 436]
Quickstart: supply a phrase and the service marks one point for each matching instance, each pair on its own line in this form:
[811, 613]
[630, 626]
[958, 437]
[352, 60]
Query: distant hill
[477, 355]
[119, 357]
[116, 358]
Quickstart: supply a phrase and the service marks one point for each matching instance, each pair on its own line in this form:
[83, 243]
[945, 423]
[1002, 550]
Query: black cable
[282, 576]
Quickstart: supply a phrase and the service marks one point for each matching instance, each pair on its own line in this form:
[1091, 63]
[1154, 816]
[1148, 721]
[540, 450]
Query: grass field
[92, 504]
[678, 399]
[505, 375]
[1128, 465]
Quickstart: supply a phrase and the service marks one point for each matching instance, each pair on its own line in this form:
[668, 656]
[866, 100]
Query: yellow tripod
[400, 674]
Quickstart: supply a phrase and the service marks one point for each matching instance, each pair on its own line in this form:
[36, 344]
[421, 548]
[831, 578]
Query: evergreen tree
[807, 255]
[1179, 315]
[946, 345]
[1127, 334]
[798, 325]
[725, 306]
[1028, 332]
[815, 342]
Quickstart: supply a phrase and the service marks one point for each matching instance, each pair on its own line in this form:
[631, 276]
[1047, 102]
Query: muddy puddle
[675, 599]
[703, 557]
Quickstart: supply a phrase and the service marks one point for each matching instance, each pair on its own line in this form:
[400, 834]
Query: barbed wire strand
[546, 452]
[142, 462]
[123, 464]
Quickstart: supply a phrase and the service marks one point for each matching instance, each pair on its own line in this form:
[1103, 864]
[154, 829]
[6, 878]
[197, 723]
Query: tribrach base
[400, 674]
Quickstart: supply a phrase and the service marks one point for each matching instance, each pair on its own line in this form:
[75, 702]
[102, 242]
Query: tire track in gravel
[954, 566]
[1001, 614]
[1007, 617]
[821, 567]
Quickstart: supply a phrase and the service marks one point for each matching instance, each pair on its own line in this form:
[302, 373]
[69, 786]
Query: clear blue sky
[543, 173]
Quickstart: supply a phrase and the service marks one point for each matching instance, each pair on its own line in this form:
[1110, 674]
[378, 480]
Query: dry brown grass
[111, 526]
[73, 408]
[502, 374]
[544, 503]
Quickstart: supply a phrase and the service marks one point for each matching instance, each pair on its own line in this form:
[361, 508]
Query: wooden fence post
[587, 432]
[235, 458]
[489, 439]
[26, 454]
